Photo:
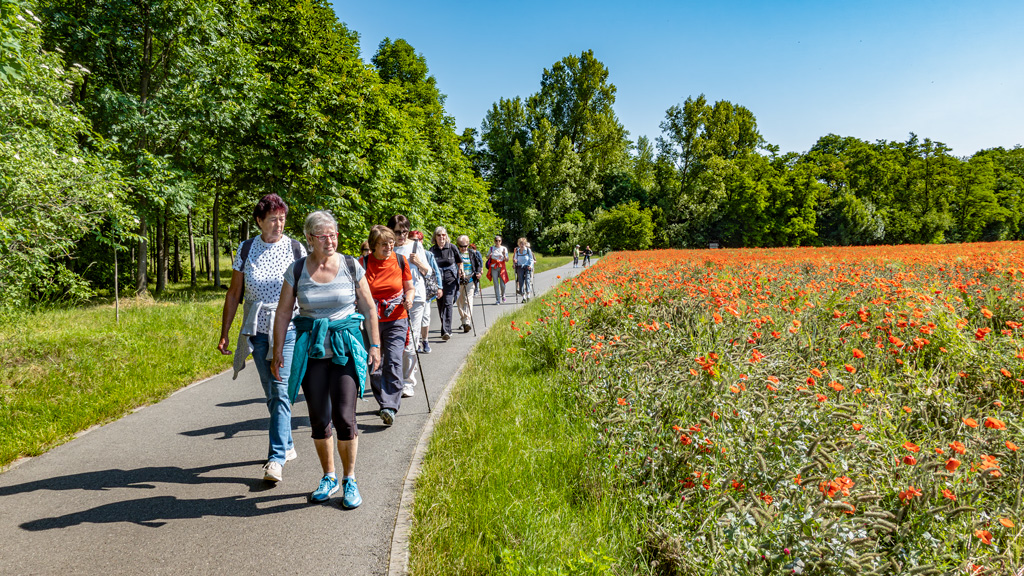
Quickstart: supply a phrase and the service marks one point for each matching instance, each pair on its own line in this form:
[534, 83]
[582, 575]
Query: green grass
[65, 370]
[507, 487]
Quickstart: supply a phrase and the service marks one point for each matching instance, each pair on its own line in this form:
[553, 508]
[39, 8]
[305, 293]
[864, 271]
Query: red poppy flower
[970, 422]
[985, 536]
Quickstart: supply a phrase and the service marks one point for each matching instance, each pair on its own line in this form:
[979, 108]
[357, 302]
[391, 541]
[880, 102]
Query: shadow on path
[144, 478]
[155, 512]
[230, 430]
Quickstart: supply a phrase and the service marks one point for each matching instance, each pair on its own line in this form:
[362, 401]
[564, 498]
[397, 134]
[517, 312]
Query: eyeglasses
[402, 232]
[463, 245]
[325, 237]
[441, 235]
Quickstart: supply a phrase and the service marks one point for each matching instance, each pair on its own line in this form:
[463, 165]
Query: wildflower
[1006, 522]
[571, 350]
[821, 398]
[836, 386]
[850, 369]
[986, 312]
[1006, 372]
[985, 536]
[857, 427]
[622, 401]
[970, 422]
[909, 460]
[815, 372]
[907, 409]
[1011, 446]
[994, 423]
[948, 494]
[909, 494]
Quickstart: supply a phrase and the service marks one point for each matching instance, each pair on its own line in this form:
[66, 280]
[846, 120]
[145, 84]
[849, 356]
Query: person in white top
[414, 252]
[258, 272]
[498, 256]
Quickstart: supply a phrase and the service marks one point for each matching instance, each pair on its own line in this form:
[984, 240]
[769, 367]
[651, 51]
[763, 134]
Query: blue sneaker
[352, 498]
[426, 347]
[387, 415]
[328, 486]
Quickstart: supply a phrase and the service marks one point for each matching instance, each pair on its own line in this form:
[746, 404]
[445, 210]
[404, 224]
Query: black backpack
[244, 254]
[301, 263]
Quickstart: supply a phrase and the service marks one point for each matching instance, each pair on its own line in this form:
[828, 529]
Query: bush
[625, 227]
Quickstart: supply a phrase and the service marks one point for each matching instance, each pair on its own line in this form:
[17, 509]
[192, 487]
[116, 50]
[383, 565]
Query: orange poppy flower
[857, 353]
[1011, 446]
[1005, 372]
[994, 423]
[836, 386]
[622, 401]
[985, 536]
[821, 397]
[958, 447]
[850, 369]
[909, 460]
[970, 422]
[857, 427]
[952, 464]
[1006, 522]
[911, 446]
[948, 494]
[909, 494]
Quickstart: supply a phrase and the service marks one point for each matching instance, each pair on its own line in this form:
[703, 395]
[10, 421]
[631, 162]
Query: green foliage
[624, 227]
[55, 191]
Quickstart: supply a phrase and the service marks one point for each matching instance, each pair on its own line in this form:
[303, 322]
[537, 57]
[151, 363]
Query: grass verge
[62, 371]
[507, 485]
[544, 263]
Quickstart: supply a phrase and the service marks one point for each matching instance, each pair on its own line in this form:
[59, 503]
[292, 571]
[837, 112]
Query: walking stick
[472, 319]
[482, 309]
[422, 379]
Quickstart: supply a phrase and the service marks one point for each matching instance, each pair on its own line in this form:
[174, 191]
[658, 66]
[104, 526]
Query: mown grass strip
[543, 264]
[63, 371]
[507, 485]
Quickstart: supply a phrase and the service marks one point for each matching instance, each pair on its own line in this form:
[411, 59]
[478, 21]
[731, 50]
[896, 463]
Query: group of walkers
[586, 252]
[327, 323]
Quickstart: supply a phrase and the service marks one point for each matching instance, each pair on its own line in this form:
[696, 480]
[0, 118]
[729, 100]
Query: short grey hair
[463, 237]
[440, 229]
[317, 221]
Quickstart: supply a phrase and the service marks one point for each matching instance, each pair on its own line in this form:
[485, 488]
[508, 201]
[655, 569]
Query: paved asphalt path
[176, 488]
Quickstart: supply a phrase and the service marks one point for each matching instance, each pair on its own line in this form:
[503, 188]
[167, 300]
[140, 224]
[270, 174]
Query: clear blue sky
[949, 71]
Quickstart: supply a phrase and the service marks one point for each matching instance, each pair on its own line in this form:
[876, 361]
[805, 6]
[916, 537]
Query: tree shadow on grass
[155, 512]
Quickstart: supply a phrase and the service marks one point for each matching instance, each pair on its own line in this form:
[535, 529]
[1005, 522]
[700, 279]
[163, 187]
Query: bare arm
[227, 317]
[282, 318]
[364, 302]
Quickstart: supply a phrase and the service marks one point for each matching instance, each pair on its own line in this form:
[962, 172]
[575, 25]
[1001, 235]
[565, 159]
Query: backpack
[429, 280]
[247, 247]
[300, 265]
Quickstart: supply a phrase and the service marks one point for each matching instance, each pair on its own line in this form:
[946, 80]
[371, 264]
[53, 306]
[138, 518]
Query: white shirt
[264, 270]
[417, 278]
[499, 253]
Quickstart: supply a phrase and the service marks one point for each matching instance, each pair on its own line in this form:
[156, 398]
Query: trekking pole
[423, 380]
[482, 309]
[518, 284]
[472, 319]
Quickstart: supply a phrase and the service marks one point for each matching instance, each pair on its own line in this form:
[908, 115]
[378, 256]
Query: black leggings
[331, 392]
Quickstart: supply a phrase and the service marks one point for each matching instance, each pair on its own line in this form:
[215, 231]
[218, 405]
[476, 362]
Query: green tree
[55, 191]
[624, 227]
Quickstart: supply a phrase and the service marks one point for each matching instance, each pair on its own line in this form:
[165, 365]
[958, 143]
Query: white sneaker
[408, 391]
[272, 472]
[290, 455]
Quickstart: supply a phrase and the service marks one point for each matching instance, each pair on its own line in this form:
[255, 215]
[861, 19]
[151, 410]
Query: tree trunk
[141, 277]
[216, 240]
[177, 257]
[161, 256]
[206, 250]
[191, 252]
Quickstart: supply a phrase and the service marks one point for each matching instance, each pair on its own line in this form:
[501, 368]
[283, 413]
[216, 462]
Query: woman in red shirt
[392, 289]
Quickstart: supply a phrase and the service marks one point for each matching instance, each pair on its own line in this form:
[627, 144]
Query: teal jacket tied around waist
[346, 341]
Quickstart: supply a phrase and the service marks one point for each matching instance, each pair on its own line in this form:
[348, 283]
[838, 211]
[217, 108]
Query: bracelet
[374, 345]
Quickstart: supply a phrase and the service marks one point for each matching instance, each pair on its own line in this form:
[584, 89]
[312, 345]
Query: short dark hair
[399, 220]
[267, 204]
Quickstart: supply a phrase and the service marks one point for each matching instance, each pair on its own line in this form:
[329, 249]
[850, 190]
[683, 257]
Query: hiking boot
[290, 455]
[387, 416]
[408, 391]
[352, 498]
[272, 471]
[328, 486]
[426, 347]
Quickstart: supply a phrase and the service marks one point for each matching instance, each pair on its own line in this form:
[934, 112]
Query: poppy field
[803, 411]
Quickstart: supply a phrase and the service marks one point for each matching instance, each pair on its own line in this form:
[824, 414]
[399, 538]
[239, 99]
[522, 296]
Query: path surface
[176, 488]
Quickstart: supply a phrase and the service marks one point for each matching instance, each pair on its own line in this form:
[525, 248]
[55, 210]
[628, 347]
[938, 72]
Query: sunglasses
[463, 245]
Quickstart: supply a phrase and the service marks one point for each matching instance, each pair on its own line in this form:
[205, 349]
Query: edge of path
[398, 564]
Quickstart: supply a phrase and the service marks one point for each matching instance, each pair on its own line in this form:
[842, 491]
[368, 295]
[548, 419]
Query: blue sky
[949, 71]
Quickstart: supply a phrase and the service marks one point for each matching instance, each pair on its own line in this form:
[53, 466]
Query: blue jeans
[276, 392]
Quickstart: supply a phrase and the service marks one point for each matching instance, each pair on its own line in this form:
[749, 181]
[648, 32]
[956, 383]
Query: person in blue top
[329, 360]
[523, 260]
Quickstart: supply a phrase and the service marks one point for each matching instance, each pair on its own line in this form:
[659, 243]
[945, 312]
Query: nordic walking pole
[482, 310]
[422, 379]
[472, 319]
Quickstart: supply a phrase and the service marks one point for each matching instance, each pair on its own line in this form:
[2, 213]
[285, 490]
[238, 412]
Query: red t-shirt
[386, 280]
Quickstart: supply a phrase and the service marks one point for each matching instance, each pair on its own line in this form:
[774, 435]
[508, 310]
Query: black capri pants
[331, 392]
